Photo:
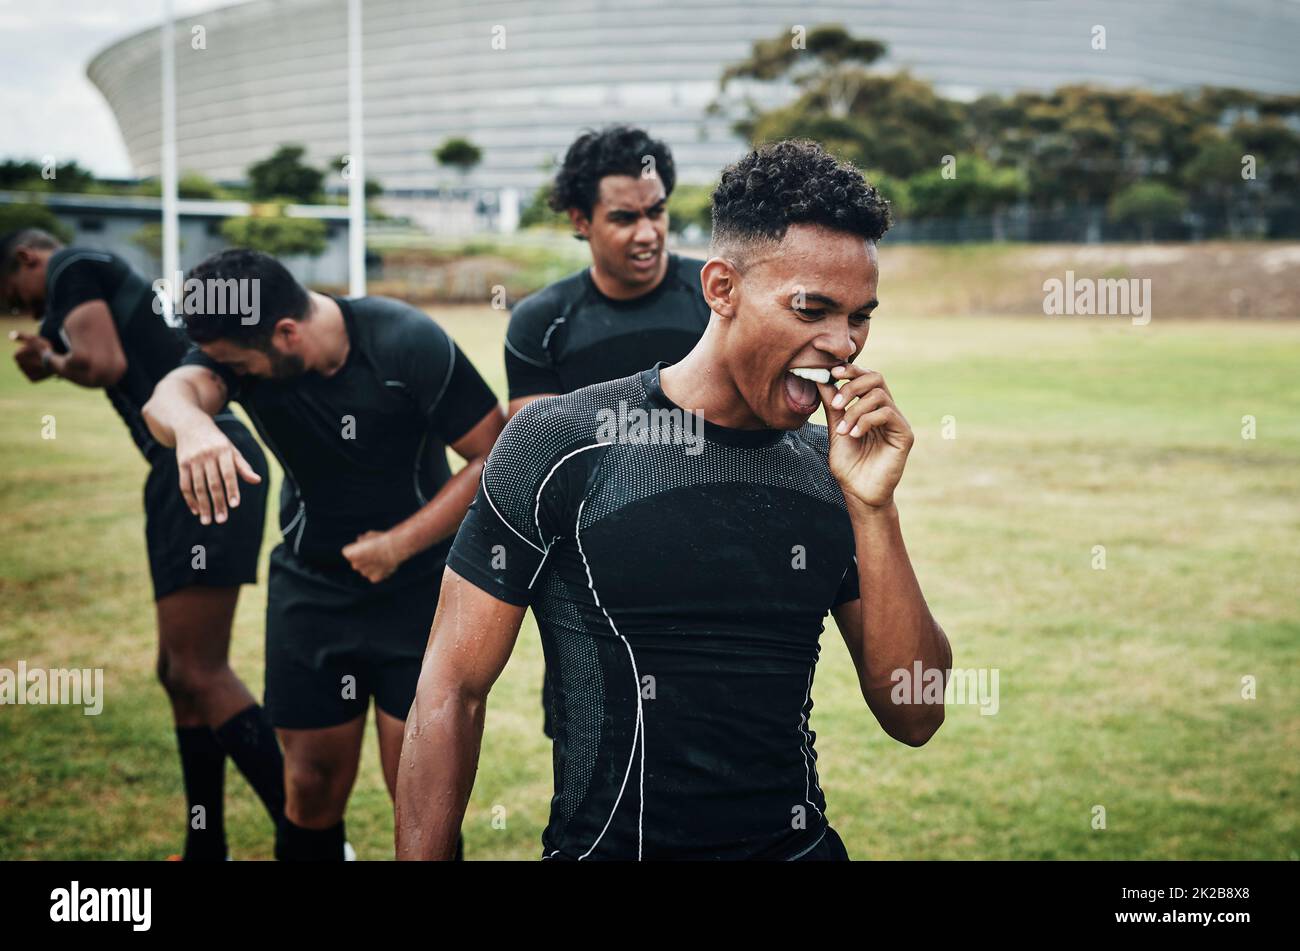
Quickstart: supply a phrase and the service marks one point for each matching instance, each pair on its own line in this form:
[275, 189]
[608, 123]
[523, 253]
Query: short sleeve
[526, 501]
[447, 388]
[195, 357]
[75, 283]
[848, 589]
[530, 369]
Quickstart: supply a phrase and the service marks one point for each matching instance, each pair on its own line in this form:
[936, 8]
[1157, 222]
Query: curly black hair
[794, 182]
[614, 150]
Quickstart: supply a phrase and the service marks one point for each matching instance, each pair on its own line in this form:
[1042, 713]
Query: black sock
[250, 740]
[295, 844]
[203, 768]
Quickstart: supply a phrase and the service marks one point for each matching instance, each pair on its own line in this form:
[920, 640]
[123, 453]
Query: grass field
[1119, 688]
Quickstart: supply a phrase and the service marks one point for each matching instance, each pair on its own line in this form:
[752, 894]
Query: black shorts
[829, 849]
[185, 552]
[331, 644]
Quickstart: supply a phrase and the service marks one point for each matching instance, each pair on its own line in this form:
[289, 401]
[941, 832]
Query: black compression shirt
[364, 449]
[152, 348]
[680, 587]
[570, 335]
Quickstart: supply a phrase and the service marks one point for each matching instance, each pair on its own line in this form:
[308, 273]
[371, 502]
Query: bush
[27, 215]
[276, 236]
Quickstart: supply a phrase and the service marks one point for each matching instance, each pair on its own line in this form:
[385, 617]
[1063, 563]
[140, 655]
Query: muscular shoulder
[549, 434]
[532, 317]
[398, 336]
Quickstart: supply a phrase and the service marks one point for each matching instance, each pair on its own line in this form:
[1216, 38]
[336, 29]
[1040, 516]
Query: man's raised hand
[869, 438]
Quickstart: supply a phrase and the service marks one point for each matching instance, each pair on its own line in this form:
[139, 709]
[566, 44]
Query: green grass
[1119, 687]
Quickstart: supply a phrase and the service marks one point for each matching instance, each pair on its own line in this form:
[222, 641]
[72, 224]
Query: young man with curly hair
[636, 304]
[680, 594]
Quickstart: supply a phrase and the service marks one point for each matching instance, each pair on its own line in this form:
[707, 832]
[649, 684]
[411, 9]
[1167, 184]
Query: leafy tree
[690, 205]
[976, 188]
[29, 215]
[1148, 206]
[830, 61]
[285, 176]
[276, 236]
[460, 154]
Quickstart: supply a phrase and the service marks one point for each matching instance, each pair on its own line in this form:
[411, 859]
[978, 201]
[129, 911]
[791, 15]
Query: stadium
[519, 77]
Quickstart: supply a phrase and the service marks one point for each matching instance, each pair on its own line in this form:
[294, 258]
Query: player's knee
[184, 680]
[313, 784]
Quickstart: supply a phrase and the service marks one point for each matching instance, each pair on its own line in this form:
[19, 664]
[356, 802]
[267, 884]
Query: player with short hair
[358, 399]
[101, 326]
[680, 589]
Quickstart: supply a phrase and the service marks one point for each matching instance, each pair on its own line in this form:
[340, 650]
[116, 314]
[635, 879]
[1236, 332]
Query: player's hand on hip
[869, 438]
[30, 355]
[210, 469]
[373, 555]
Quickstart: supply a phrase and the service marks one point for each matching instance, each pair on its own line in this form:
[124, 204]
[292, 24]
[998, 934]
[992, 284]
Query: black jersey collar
[712, 431]
[634, 303]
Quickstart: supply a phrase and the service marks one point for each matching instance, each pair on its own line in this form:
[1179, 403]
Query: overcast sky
[48, 105]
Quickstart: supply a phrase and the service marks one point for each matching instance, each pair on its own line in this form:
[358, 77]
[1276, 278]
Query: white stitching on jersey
[554, 325]
[488, 495]
[639, 730]
[805, 747]
[537, 505]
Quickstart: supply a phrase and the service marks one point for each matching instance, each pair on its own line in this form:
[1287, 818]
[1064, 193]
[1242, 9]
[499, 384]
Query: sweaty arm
[889, 628]
[180, 414]
[471, 640]
[525, 501]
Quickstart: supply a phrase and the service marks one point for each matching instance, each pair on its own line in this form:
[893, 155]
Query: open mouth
[645, 258]
[801, 388]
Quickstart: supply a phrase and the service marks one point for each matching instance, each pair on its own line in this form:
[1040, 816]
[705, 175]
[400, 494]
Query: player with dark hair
[358, 399]
[102, 327]
[680, 590]
[635, 305]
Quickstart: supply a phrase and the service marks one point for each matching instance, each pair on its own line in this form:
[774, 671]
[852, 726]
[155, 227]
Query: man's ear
[581, 223]
[720, 282]
[287, 331]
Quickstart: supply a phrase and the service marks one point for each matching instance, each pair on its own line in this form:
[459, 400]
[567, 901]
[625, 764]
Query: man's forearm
[439, 759]
[75, 369]
[173, 407]
[440, 517]
[897, 626]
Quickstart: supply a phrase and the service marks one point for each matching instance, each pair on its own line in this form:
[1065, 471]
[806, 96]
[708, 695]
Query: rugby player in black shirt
[100, 328]
[358, 399]
[635, 305]
[680, 585]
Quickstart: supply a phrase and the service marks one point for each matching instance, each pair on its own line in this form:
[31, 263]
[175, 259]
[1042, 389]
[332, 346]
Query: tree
[276, 236]
[1147, 206]
[28, 215]
[976, 188]
[460, 154]
[285, 176]
[828, 59]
